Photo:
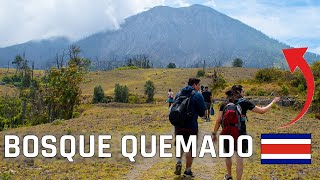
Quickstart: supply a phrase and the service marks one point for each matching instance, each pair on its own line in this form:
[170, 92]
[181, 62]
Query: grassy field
[162, 78]
[146, 119]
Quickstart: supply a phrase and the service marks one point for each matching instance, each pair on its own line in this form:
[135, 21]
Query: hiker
[234, 98]
[201, 89]
[190, 127]
[170, 97]
[207, 95]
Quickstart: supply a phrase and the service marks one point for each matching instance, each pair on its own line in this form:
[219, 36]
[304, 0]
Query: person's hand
[276, 99]
[214, 138]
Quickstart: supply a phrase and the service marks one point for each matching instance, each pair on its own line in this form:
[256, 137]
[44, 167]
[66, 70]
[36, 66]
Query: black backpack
[181, 111]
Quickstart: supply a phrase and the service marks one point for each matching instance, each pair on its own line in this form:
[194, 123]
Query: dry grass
[162, 78]
[123, 119]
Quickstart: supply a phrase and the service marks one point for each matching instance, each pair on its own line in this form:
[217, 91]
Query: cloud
[21, 21]
[292, 22]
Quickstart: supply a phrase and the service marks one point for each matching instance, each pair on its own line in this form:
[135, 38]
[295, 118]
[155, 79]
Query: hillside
[136, 78]
[119, 119]
[186, 36]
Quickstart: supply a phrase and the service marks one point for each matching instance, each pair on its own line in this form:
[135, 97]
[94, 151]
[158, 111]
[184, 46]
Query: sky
[294, 22]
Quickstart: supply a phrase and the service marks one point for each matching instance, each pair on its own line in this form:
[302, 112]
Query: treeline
[139, 61]
[43, 99]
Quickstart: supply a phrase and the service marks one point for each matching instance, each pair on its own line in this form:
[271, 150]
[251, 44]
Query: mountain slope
[186, 36]
[42, 52]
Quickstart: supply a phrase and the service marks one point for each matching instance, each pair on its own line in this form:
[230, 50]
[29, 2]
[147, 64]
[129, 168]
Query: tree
[83, 64]
[121, 93]
[98, 94]
[200, 73]
[171, 65]
[18, 61]
[237, 62]
[64, 91]
[149, 90]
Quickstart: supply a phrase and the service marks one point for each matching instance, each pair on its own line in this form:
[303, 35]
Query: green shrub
[268, 75]
[134, 99]
[107, 99]
[284, 90]
[261, 92]
[171, 65]
[121, 93]
[299, 82]
[149, 90]
[248, 93]
[98, 94]
[68, 131]
[218, 83]
[237, 62]
[201, 73]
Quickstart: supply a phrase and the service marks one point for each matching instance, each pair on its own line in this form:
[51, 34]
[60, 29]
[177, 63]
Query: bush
[98, 94]
[284, 90]
[299, 82]
[107, 99]
[268, 75]
[261, 92]
[237, 62]
[121, 93]
[134, 99]
[171, 65]
[201, 73]
[12, 79]
[218, 83]
[149, 89]
[248, 93]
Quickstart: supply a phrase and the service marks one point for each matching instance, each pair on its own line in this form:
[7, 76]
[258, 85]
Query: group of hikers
[198, 104]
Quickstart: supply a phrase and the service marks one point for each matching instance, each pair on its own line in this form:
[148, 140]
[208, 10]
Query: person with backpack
[232, 117]
[207, 95]
[184, 112]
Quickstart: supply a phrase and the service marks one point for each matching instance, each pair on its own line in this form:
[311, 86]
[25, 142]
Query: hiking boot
[178, 169]
[188, 174]
[227, 177]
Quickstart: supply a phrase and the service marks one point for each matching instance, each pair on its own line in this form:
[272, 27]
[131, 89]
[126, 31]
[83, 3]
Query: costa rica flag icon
[285, 148]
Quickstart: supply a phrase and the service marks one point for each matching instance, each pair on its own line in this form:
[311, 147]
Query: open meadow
[119, 119]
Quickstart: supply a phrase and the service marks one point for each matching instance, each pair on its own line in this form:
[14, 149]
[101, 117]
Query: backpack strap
[190, 96]
[238, 102]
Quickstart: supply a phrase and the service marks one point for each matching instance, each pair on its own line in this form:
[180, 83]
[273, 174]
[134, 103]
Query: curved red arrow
[295, 59]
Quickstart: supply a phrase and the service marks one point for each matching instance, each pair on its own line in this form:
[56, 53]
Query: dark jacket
[197, 105]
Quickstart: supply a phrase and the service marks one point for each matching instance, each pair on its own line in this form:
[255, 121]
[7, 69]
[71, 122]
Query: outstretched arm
[262, 110]
[216, 126]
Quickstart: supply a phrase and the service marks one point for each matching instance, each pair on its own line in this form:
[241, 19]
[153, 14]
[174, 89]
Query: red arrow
[295, 59]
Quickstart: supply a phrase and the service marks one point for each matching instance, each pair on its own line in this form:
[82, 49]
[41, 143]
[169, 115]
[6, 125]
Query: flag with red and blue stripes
[285, 148]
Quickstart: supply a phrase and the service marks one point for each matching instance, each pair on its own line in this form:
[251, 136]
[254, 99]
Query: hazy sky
[295, 22]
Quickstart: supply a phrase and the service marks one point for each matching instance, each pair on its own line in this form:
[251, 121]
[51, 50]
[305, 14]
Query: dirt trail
[203, 168]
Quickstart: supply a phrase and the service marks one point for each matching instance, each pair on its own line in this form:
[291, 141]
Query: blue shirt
[197, 107]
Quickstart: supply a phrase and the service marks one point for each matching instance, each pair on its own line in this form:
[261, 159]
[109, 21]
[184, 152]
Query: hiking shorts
[186, 133]
[208, 105]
